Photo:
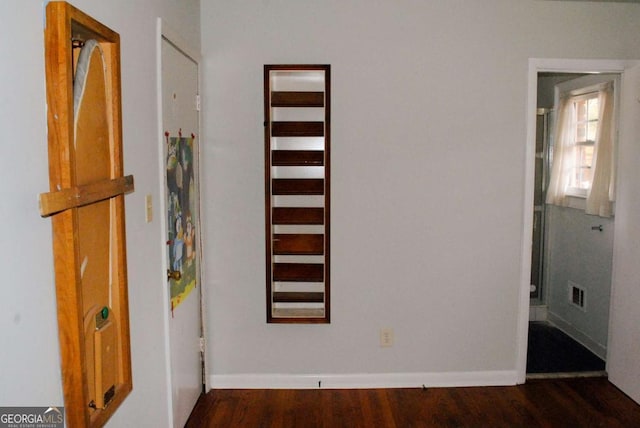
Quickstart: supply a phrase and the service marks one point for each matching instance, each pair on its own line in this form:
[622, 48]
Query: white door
[623, 360]
[180, 129]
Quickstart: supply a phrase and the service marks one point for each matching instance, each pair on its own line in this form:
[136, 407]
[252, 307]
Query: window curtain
[602, 192]
[562, 159]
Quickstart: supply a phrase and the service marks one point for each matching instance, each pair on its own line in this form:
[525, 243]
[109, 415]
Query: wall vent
[577, 296]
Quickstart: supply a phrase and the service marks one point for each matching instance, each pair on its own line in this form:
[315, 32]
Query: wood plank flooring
[578, 402]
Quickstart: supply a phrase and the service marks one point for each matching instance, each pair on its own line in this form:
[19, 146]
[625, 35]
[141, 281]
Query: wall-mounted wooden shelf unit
[297, 196]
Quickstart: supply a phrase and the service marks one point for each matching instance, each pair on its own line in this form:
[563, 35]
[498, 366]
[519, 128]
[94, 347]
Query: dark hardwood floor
[552, 351]
[577, 402]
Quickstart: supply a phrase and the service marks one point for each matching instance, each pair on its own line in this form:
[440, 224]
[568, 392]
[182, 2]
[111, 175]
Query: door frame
[165, 32]
[538, 65]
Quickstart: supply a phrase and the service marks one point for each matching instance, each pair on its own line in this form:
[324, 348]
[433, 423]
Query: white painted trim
[537, 65]
[363, 380]
[162, 208]
[538, 313]
[564, 65]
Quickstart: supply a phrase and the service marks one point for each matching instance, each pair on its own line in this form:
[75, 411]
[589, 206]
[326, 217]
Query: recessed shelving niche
[297, 196]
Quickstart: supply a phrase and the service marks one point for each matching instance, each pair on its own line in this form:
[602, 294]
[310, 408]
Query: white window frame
[575, 88]
[581, 192]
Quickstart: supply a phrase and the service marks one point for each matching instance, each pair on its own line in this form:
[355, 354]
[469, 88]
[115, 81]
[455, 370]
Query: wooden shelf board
[298, 272]
[295, 215]
[297, 158]
[298, 244]
[298, 297]
[297, 129]
[297, 186]
[297, 99]
[55, 202]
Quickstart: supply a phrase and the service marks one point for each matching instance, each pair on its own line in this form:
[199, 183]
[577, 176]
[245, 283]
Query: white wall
[29, 355]
[428, 148]
[583, 256]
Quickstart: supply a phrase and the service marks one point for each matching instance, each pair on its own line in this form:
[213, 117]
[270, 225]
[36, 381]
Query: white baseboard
[538, 313]
[362, 380]
[578, 336]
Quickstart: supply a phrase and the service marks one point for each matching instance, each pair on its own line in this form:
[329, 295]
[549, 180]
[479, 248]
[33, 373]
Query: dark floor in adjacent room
[552, 351]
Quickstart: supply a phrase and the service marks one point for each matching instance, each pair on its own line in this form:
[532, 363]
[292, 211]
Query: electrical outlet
[386, 337]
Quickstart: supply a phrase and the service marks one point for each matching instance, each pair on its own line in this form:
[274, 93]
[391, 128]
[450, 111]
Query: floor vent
[577, 296]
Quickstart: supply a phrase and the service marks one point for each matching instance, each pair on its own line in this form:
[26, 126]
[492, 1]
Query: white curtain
[562, 159]
[602, 192]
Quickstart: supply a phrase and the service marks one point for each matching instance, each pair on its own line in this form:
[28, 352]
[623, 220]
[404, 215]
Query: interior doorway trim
[537, 65]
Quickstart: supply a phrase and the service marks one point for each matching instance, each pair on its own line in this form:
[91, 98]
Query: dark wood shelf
[282, 215]
[297, 186]
[298, 244]
[297, 158]
[297, 129]
[298, 272]
[298, 297]
[297, 99]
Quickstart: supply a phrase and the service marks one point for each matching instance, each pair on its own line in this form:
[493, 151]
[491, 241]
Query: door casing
[537, 65]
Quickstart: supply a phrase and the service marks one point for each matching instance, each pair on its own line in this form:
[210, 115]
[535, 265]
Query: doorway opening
[572, 251]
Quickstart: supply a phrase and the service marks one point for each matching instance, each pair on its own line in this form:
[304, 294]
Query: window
[584, 128]
[584, 146]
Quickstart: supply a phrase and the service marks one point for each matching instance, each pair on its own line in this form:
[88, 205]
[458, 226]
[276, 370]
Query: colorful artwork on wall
[181, 216]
